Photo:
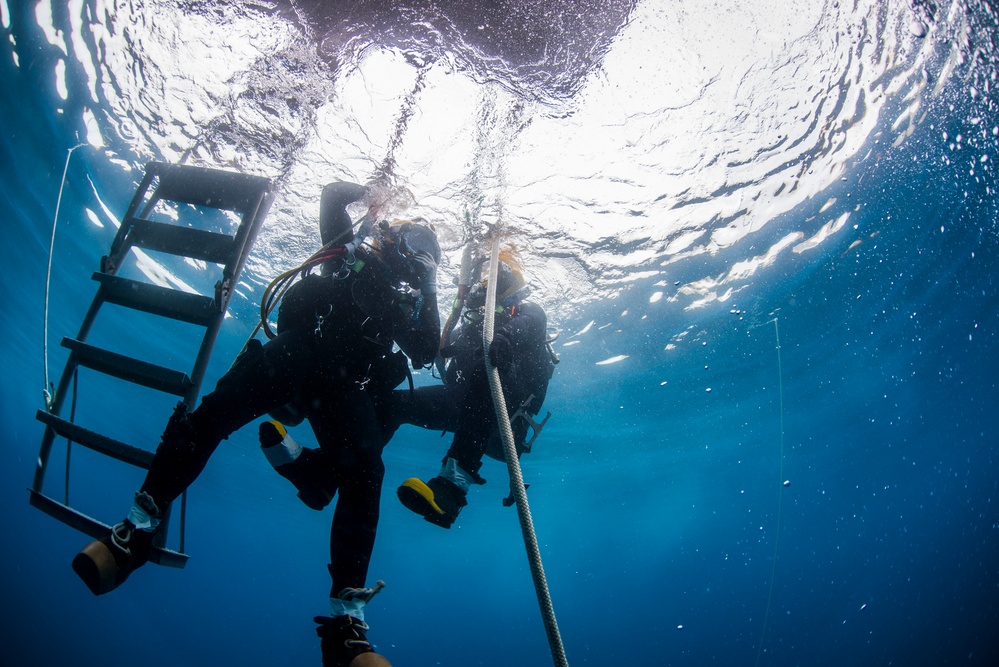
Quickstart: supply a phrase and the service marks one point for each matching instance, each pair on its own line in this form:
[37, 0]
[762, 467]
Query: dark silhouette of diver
[331, 362]
[463, 404]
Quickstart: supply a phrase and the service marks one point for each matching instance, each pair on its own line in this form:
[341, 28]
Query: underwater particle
[787, 482]
[863, 606]
[708, 390]
[679, 627]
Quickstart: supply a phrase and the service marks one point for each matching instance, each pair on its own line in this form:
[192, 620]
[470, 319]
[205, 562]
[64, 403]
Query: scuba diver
[331, 362]
[522, 353]
[462, 405]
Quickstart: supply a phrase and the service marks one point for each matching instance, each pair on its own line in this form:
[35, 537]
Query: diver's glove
[501, 352]
[424, 270]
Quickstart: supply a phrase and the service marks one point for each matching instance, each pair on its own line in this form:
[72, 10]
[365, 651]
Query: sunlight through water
[683, 133]
[678, 178]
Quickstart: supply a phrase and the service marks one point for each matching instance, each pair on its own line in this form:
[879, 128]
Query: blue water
[657, 489]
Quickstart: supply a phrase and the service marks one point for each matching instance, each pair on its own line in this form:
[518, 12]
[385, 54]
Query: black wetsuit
[333, 359]
[464, 405]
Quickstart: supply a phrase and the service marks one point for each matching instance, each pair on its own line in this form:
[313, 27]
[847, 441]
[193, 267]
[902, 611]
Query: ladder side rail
[156, 170]
[244, 241]
[247, 234]
[197, 374]
[42, 462]
[140, 191]
[59, 396]
[112, 261]
[242, 244]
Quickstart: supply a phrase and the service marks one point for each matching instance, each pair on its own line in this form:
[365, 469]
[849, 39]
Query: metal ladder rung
[129, 369]
[209, 187]
[162, 301]
[95, 441]
[182, 241]
[95, 529]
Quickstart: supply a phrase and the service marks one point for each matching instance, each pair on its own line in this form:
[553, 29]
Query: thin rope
[780, 487]
[48, 279]
[513, 466]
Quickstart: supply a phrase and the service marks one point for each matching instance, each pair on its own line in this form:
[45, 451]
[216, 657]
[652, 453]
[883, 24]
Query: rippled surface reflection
[629, 147]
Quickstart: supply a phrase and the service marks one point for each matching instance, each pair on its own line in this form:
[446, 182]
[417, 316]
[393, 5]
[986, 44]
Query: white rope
[48, 279]
[513, 466]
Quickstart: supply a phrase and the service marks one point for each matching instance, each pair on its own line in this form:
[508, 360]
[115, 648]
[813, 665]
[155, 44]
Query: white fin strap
[284, 452]
[351, 601]
[453, 472]
[140, 516]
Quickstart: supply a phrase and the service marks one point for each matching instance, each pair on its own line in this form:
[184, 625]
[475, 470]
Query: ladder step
[129, 369]
[95, 529]
[102, 444]
[214, 188]
[182, 241]
[162, 301]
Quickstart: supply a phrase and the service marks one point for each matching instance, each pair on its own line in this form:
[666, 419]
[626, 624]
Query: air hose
[513, 466]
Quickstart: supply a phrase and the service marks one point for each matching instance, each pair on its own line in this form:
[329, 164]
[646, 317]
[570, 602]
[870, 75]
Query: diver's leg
[347, 427]
[260, 378]
[440, 499]
[476, 424]
[431, 407]
[310, 470]
[348, 431]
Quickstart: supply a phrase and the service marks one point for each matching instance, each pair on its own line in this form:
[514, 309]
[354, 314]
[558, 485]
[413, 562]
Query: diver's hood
[510, 289]
[413, 239]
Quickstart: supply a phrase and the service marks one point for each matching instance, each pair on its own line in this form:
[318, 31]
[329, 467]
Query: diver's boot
[438, 501]
[342, 639]
[105, 563]
[306, 468]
